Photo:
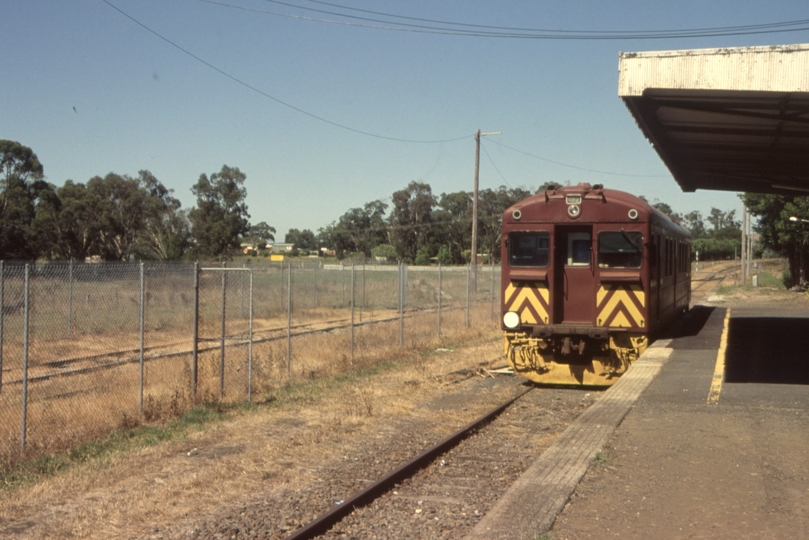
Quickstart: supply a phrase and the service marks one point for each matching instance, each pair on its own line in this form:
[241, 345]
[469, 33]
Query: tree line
[121, 217]
[720, 240]
[118, 217]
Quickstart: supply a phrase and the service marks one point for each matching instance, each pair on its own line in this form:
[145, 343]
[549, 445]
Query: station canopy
[724, 119]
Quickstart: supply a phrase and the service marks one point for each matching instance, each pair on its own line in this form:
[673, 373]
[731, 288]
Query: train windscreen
[620, 249]
[529, 249]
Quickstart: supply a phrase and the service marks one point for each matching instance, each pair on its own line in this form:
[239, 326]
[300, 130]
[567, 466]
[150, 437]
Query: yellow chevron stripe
[620, 321]
[523, 294]
[602, 292]
[636, 290]
[526, 315]
[509, 291]
[621, 296]
[639, 294]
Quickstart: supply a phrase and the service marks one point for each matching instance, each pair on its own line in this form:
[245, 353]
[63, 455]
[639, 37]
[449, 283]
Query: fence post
[222, 343]
[141, 317]
[492, 294]
[467, 294]
[281, 288]
[250, 347]
[195, 353]
[401, 305]
[70, 300]
[439, 300]
[26, 315]
[362, 305]
[289, 319]
[314, 281]
[352, 312]
[241, 291]
[2, 304]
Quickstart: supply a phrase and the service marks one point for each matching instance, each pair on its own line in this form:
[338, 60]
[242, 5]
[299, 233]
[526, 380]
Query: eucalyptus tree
[220, 219]
[780, 234]
[66, 225]
[22, 188]
[411, 219]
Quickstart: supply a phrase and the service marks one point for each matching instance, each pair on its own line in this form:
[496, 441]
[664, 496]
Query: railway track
[380, 490]
[385, 484]
[715, 279]
[82, 365]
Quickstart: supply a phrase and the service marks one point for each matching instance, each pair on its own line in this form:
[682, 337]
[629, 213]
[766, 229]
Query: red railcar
[589, 277]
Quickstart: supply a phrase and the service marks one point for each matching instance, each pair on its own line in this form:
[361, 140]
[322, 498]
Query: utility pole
[474, 256]
[744, 245]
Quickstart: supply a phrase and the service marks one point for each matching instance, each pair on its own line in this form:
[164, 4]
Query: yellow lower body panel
[585, 363]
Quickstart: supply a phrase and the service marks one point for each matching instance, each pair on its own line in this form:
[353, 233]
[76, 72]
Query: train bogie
[589, 277]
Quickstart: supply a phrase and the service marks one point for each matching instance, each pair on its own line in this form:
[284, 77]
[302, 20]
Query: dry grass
[63, 412]
[271, 448]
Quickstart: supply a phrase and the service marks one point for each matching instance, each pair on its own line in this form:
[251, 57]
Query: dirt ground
[232, 462]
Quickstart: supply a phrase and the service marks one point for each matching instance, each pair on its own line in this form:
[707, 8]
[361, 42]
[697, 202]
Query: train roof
[596, 191]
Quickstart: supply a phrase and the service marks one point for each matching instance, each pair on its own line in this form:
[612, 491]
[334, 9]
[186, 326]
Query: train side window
[578, 249]
[620, 249]
[529, 249]
[670, 259]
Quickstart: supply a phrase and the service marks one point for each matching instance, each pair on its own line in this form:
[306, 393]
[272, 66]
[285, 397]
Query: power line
[265, 94]
[580, 168]
[495, 167]
[523, 29]
[504, 32]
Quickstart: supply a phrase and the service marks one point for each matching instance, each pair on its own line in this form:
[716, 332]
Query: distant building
[281, 248]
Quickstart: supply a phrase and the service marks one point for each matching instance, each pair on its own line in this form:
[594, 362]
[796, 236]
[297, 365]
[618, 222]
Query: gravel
[444, 500]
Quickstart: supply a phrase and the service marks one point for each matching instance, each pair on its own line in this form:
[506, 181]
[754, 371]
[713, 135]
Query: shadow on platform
[771, 350]
[687, 330]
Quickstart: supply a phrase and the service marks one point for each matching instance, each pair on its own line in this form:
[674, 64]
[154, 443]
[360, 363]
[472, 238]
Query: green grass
[769, 280]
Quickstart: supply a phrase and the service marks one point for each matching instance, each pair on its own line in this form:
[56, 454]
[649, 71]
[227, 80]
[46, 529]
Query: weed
[600, 457]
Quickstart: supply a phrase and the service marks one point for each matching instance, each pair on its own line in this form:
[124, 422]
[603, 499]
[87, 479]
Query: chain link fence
[89, 348]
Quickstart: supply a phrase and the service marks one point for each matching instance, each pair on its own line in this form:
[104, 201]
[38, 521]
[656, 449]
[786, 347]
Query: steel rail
[233, 342]
[327, 520]
[713, 277]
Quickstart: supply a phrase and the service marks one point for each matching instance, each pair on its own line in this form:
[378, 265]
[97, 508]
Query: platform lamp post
[474, 256]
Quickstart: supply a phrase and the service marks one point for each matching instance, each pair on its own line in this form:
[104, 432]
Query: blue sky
[142, 103]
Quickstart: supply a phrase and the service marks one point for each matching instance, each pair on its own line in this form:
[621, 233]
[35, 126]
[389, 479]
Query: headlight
[511, 320]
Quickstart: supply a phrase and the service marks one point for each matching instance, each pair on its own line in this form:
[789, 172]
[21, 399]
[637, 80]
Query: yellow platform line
[719, 370]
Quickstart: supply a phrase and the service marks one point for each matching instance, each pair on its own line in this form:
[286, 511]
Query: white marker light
[511, 320]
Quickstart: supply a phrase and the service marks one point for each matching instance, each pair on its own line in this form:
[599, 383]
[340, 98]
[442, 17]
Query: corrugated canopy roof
[724, 119]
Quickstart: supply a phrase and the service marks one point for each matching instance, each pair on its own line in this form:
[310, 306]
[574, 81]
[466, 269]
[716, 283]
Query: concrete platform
[691, 455]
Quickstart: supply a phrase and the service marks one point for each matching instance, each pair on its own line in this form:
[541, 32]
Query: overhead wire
[495, 166]
[511, 28]
[460, 29]
[575, 166]
[273, 98]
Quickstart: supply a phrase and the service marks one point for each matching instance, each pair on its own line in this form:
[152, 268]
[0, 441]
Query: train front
[574, 285]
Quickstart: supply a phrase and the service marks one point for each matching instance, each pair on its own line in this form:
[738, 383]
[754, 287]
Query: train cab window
[620, 249]
[578, 249]
[529, 249]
